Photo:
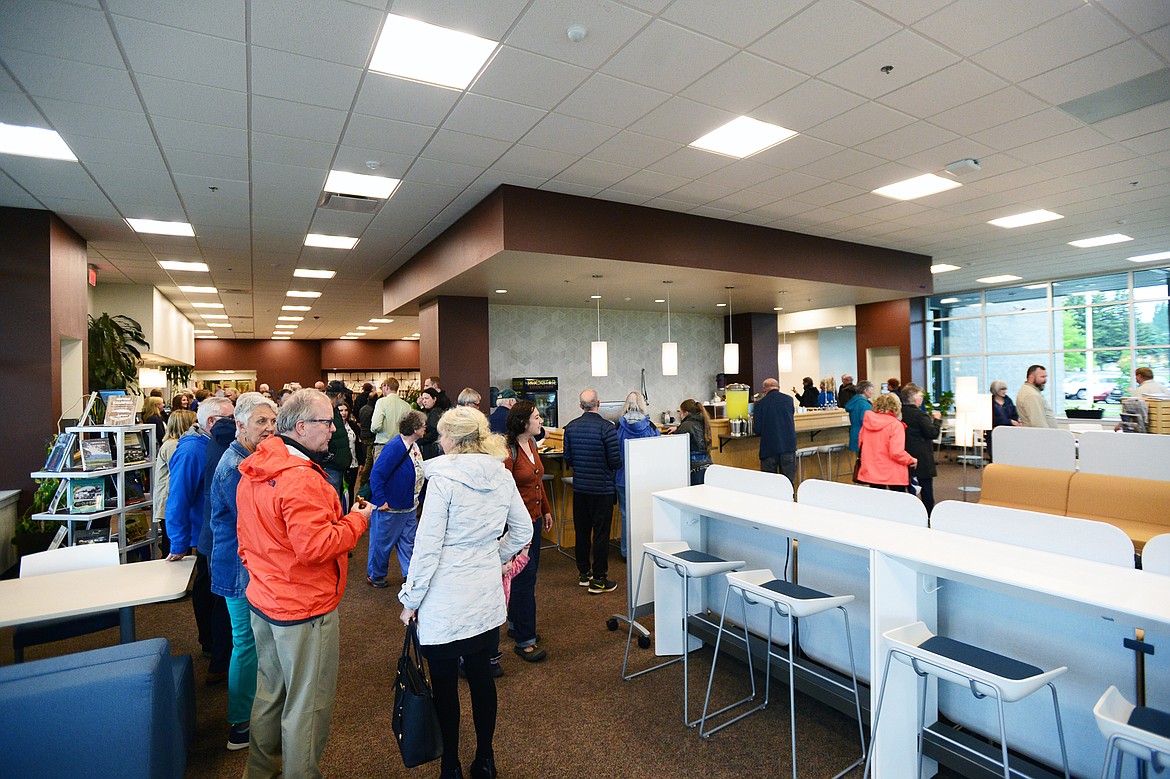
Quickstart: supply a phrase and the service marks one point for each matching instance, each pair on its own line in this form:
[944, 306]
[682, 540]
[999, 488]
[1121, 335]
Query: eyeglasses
[322, 421]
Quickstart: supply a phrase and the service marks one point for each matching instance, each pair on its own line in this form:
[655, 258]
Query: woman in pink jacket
[884, 459]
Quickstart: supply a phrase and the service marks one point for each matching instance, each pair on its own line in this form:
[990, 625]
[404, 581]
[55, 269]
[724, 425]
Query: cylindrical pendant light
[784, 358]
[669, 347]
[731, 348]
[599, 351]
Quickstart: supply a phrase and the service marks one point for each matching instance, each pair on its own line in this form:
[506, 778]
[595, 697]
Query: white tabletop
[74, 593]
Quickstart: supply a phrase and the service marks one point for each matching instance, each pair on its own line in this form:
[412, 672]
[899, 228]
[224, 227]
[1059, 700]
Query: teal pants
[242, 671]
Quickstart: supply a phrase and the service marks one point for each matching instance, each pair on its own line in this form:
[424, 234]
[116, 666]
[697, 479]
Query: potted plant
[1093, 412]
[113, 352]
[945, 401]
[35, 535]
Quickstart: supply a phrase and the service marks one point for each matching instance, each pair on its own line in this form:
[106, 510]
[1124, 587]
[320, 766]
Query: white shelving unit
[115, 478]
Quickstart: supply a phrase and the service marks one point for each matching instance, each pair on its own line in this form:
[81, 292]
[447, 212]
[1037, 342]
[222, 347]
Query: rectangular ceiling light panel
[1100, 240]
[943, 267]
[360, 185]
[998, 279]
[310, 273]
[34, 142]
[743, 137]
[919, 186]
[195, 267]
[207, 305]
[330, 241]
[1025, 219]
[157, 227]
[1150, 257]
[198, 290]
[295, 308]
[303, 293]
[410, 49]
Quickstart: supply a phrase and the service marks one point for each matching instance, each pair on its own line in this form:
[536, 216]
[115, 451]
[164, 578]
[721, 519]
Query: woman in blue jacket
[857, 406]
[395, 482]
[633, 423]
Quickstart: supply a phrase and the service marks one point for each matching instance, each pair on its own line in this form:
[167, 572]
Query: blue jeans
[522, 606]
[389, 529]
[624, 510]
[242, 671]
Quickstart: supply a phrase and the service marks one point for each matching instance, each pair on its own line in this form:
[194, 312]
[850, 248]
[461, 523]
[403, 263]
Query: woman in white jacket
[455, 585]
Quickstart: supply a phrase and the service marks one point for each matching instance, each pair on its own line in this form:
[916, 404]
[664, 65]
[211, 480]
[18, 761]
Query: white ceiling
[230, 114]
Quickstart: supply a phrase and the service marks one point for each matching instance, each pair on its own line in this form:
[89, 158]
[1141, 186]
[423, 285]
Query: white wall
[838, 352]
[806, 360]
[535, 341]
[170, 334]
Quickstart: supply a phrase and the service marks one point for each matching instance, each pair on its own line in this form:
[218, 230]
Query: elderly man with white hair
[184, 520]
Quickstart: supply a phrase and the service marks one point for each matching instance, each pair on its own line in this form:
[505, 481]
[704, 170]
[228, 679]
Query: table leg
[126, 624]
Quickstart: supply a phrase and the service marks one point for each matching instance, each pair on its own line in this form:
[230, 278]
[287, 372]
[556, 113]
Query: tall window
[1090, 333]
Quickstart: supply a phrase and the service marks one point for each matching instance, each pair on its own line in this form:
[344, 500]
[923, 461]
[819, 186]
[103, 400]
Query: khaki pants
[295, 685]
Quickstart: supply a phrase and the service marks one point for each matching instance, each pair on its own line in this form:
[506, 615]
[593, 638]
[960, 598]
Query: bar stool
[688, 564]
[548, 484]
[802, 455]
[829, 450]
[986, 673]
[1136, 730]
[792, 602]
[566, 485]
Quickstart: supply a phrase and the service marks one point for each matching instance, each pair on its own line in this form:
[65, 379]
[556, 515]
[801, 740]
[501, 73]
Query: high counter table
[904, 562]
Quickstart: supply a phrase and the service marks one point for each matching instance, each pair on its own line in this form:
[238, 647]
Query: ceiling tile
[493, 118]
[1114, 65]
[1160, 41]
[464, 148]
[907, 11]
[739, 22]
[568, 134]
[647, 184]
[447, 174]
[651, 58]
[989, 111]
[681, 121]
[183, 55]
[533, 161]
[542, 30]
[846, 162]
[1138, 15]
[938, 92]
[742, 173]
[595, 173]
[1150, 143]
[1080, 32]
[222, 18]
[206, 138]
[409, 101]
[487, 20]
[1030, 128]
[823, 35]
[300, 79]
[612, 101]
[291, 151]
[789, 184]
[690, 163]
[194, 102]
[73, 119]
[77, 82]
[971, 27]
[742, 83]
[830, 193]
[796, 152]
[133, 186]
[1144, 120]
[298, 120]
[699, 193]
[529, 79]
[807, 105]
[867, 121]
[1050, 148]
[908, 140]
[910, 55]
[301, 27]
[59, 30]
[107, 152]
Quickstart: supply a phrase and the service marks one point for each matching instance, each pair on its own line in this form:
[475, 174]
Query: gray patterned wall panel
[534, 341]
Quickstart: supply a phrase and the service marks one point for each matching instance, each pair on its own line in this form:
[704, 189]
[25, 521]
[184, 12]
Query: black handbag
[415, 723]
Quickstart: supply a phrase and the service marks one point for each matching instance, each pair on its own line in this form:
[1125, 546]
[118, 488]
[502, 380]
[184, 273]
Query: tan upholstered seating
[1137, 506]
[1032, 489]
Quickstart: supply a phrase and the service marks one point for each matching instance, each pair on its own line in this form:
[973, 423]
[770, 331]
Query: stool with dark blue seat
[688, 564]
[985, 672]
[793, 602]
[1135, 730]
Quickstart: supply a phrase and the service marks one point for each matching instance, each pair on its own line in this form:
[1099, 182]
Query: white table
[904, 562]
[75, 593]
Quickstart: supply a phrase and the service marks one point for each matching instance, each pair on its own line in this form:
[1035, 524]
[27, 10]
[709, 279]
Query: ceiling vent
[335, 201]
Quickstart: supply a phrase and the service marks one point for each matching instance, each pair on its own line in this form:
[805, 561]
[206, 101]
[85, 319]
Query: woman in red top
[883, 446]
[523, 461]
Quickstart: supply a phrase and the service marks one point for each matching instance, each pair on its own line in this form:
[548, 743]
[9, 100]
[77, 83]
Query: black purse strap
[412, 651]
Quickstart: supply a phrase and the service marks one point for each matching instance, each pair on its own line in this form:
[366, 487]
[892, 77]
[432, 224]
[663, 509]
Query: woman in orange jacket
[883, 446]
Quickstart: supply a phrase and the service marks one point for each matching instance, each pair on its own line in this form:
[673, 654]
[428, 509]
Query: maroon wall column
[918, 341]
[756, 336]
[43, 267]
[884, 324]
[454, 343]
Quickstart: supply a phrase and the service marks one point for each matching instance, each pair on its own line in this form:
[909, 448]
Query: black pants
[592, 515]
[522, 606]
[445, 686]
[782, 463]
[211, 617]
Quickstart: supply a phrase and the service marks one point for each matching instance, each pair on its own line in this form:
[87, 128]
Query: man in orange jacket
[294, 541]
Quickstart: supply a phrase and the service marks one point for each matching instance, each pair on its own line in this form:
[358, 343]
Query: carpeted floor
[570, 716]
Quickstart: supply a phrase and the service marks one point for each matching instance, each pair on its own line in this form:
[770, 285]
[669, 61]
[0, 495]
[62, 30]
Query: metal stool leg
[751, 671]
[561, 520]
[877, 715]
[630, 636]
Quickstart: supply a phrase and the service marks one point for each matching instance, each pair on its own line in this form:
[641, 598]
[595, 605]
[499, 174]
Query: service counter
[813, 428]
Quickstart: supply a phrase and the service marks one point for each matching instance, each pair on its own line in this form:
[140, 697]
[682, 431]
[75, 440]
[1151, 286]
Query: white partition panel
[652, 464]
[769, 485]
[1156, 555]
[1125, 454]
[1156, 559]
[1091, 647]
[1035, 447]
[842, 572]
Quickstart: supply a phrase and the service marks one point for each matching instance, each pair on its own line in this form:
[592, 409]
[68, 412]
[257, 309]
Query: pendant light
[599, 351]
[731, 348]
[669, 347]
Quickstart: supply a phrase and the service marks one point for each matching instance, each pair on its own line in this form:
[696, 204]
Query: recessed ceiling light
[310, 273]
[720, 305]
[743, 137]
[354, 334]
[777, 308]
[347, 338]
[1036, 286]
[660, 300]
[290, 318]
[215, 316]
[1150, 257]
[280, 338]
[219, 324]
[919, 186]
[302, 293]
[34, 142]
[199, 290]
[942, 267]
[285, 327]
[382, 321]
[998, 279]
[197, 267]
[330, 241]
[501, 292]
[1025, 219]
[595, 297]
[1100, 240]
[365, 327]
[946, 301]
[415, 335]
[206, 337]
[360, 185]
[161, 228]
[418, 51]
[207, 305]
[203, 332]
[295, 308]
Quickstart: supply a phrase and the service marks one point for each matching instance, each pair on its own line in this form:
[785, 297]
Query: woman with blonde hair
[884, 458]
[179, 424]
[473, 522]
[152, 415]
[633, 423]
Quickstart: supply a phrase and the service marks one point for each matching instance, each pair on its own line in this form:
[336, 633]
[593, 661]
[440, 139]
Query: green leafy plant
[945, 401]
[113, 352]
[178, 375]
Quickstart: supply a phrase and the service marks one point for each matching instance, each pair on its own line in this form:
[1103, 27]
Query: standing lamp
[972, 413]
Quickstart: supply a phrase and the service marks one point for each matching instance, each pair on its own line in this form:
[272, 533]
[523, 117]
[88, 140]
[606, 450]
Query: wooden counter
[813, 428]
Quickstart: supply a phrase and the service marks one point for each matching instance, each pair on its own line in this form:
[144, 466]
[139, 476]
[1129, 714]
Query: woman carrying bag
[696, 425]
[884, 458]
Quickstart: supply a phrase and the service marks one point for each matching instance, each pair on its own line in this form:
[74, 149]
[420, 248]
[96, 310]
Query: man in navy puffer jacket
[592, 451]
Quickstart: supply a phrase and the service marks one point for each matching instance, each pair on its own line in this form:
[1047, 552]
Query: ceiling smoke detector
[963, 167]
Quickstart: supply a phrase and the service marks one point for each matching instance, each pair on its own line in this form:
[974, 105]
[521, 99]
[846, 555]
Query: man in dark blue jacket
[592, 451]
[776, 427]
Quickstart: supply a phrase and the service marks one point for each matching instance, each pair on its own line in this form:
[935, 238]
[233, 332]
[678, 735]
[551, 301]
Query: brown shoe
[532, 654]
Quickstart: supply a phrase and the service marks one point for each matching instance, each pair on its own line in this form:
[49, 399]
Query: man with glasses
[184, 518]
[294, 541]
